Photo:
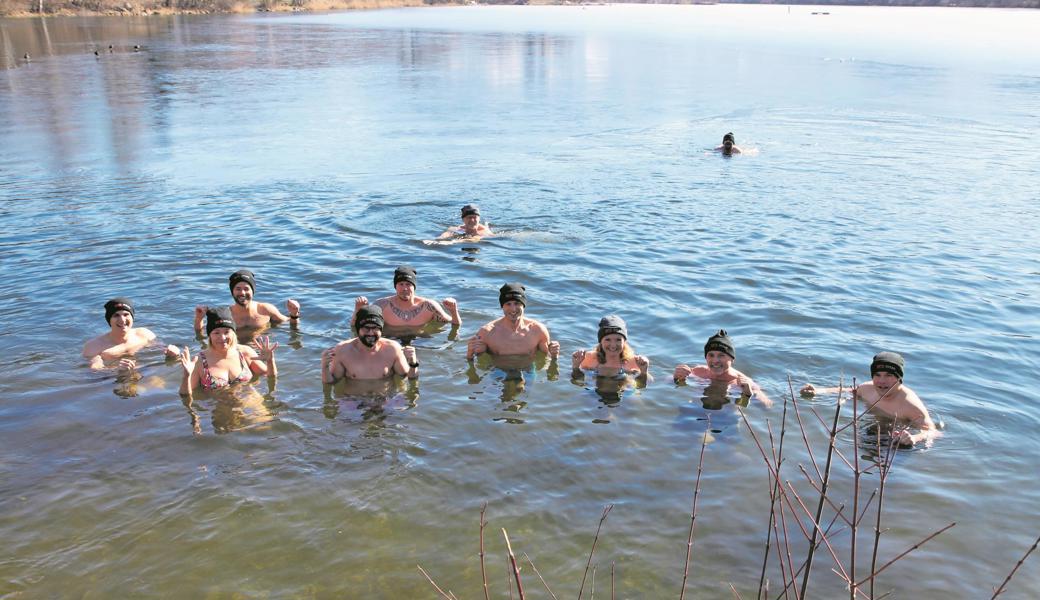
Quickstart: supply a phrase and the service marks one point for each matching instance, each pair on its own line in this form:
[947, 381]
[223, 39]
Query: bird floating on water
[26, 57]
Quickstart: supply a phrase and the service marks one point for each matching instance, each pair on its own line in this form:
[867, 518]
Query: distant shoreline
[138, 8]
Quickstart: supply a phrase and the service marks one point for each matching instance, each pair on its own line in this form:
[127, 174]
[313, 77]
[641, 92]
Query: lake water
[888, 200]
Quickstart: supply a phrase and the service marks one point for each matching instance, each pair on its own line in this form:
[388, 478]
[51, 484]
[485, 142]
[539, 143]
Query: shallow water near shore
[889, 201]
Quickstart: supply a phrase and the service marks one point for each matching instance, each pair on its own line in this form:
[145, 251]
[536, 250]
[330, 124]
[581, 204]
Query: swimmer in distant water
[246, 311]
[369, 355]
[225, 362]
[471, 226]
[887, 397]
[123, 338]
[612, 355]
[728, 146]
[719, 356]
[405, 309]
[513, 333]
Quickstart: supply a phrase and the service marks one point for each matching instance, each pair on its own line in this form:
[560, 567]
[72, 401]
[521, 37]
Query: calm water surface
[889, 201]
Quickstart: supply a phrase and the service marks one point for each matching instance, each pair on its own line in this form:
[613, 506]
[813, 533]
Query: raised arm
[200, 315]
[477, 344]
[406, 364]
[545, 343]
[331, 369]
[265, 357]
[450, 312]
[189, 372]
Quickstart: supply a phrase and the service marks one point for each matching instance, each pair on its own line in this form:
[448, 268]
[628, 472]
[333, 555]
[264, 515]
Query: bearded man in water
[369, 355]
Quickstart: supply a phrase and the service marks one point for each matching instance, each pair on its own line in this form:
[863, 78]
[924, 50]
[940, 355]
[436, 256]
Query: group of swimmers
[370, 356]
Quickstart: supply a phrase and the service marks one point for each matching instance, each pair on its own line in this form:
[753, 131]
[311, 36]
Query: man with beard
[122, 339]
[247, 312]
[719, 355]
[512, 333]
[368, 356]
[405, 309]
[886, 396]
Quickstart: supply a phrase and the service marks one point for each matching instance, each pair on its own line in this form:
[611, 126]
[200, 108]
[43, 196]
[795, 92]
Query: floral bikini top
[209, 382]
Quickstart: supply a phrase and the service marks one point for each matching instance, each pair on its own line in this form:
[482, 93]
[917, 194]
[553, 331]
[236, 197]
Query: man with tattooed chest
[405, 309]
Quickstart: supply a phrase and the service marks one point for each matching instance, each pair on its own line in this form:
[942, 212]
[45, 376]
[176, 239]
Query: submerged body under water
[889, 206]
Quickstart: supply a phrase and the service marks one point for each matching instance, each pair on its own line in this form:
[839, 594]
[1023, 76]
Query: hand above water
[264, 347]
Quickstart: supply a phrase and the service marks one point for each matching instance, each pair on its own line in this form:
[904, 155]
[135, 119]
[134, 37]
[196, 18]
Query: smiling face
[242, 293]
[369, 335]
[121, 320]
[884, 381]
[222, 338]
[612, 343]
[718, 362]
[405, 290]
[513, 310]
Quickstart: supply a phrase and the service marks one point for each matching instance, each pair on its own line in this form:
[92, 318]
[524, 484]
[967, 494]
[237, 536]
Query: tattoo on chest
[408, 315]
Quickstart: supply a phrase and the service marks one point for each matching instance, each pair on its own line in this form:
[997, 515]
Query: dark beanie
[512, 291]
[887, 362]
[720, 342]
[369, 314]
[219, 317]
[612, 324]
[470, 209]
[240, 276]
[729, 138]
[117, 304]
[404, 273]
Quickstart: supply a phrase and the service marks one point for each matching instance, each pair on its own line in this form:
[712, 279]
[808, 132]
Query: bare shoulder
[145, 334]
[539, 327]
[94, 346]
[266, 308]
[914, 400]
[393, 344]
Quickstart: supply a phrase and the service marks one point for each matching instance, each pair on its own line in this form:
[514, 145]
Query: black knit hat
[720, 342]
[612, 324]
[404, 273]
[240, 276]
[115, 305]
[470, 209]
[369, 315]
[887, 362]
[219, 317]
[512, 291]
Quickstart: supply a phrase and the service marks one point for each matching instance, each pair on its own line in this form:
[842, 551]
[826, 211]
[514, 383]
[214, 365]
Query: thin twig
[531, 562]
[735, 594]
[693, 510]
[1000, 590]
[435, 586]
[884, 468]
[830, 503]
[856, 474]
[516, 567]
[904, 553]
[483, 571]
[593, 550]
[823, 492]
[772, 499]
[611, 580]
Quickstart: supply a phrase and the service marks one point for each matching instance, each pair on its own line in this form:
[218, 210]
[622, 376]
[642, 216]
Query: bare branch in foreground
[602, 518]
[693, 511]
[1000, 590]
[531, 562]
[516, 568]
[435, 586]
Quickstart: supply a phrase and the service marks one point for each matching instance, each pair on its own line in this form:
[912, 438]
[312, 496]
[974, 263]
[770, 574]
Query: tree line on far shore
[155, 7]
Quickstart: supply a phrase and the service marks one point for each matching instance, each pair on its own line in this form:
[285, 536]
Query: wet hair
[470, 209]
[115, 305]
